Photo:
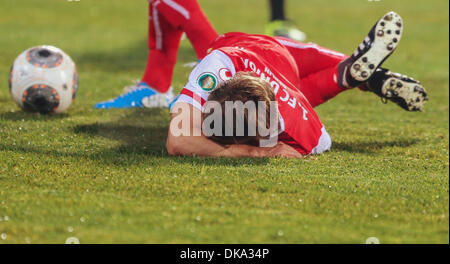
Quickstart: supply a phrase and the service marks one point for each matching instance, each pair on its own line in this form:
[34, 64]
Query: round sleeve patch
[207, 81]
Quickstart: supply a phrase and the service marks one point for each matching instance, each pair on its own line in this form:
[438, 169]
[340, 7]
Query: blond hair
[242, 87]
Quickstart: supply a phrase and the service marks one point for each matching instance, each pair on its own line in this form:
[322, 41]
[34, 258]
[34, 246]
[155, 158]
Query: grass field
[105, 176]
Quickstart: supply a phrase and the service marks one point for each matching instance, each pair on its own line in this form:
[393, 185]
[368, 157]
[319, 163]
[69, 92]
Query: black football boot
[379, 44]
[406, 92]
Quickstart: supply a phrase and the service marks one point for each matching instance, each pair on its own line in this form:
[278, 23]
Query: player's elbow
[175, 145]
[172, 146]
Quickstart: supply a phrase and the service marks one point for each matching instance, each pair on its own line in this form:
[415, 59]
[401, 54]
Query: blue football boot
[138, 95]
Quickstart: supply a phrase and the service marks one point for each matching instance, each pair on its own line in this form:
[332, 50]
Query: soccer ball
[43, 79]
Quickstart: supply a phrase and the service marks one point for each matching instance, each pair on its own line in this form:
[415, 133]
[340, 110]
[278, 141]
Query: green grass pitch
[105, 176]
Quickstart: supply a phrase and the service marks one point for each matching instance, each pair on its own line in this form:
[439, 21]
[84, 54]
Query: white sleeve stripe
[309, 46]
[157, 26]
[187, 99]
[193, 90]
[177, 7]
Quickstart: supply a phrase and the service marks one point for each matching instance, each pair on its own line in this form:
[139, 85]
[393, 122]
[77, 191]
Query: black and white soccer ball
[43, 79]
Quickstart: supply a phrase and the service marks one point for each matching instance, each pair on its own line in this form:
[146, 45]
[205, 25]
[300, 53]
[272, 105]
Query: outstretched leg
[168, 19]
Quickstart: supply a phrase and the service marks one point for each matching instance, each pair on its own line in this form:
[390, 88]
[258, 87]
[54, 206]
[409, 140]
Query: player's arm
[193, 143]
[185, 136]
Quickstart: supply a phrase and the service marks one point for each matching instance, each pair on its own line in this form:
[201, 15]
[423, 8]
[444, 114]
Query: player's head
[246, 93]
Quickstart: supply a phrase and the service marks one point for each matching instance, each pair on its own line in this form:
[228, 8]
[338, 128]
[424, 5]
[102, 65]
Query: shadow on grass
[129, 58]
[144, 132]
[30, 116]
[372, 146]
[125, 156]
[141, 134]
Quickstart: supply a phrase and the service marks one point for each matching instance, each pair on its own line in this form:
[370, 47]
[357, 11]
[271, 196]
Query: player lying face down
[301, 77]
[240, 118]
[296, 76]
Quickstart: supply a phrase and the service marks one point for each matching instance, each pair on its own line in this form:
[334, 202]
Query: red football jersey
[267, 58]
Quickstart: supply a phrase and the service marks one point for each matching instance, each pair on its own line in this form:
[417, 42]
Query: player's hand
[284, 151]
[279, 150]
